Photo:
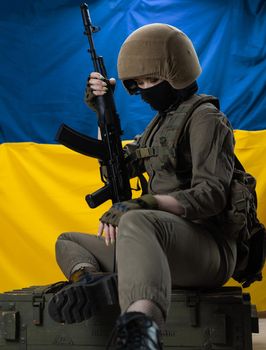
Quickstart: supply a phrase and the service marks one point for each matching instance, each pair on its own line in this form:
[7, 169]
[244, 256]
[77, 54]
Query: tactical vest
[158, 143]
[158, 146]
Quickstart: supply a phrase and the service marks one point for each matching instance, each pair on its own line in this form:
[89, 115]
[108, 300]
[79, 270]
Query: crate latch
[192, 302]
[38, 306]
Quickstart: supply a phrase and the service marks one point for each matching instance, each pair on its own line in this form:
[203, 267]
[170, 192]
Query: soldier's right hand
[96, 86]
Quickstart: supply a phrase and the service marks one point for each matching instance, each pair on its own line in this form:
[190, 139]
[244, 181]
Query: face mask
[161, 96]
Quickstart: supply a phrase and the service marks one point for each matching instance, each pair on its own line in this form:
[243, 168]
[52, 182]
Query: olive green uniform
[157, 249]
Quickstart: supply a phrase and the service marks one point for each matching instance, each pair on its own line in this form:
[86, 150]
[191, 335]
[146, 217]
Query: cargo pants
[155, 250]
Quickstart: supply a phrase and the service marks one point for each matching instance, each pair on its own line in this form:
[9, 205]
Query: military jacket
[188, 157]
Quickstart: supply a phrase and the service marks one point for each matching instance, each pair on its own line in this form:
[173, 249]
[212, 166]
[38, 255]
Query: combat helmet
[161, 51]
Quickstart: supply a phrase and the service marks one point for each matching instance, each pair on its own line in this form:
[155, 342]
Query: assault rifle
[108, 150]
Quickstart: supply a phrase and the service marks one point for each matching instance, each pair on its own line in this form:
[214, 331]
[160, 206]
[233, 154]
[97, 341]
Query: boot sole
[78, 301]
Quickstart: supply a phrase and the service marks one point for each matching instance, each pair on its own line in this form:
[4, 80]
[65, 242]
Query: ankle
[79, 272]
[150, 309]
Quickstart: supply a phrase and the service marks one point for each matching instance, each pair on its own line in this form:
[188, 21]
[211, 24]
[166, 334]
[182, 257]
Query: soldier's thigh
[194, 255]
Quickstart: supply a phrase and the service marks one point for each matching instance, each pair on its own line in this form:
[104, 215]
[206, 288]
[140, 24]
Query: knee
[63, 236]
[66, 237]
[62, 243]
[135, 223]
[130, 221]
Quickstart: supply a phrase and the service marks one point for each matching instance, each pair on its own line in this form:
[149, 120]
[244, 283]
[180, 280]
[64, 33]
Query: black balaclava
[162, 96]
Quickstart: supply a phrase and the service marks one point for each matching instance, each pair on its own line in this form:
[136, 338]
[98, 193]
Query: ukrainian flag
[44, 64]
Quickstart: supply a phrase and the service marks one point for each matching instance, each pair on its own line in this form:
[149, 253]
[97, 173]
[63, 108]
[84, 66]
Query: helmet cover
[158, 51]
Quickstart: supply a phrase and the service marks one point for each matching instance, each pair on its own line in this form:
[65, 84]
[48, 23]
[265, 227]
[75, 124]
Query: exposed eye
[147, 82]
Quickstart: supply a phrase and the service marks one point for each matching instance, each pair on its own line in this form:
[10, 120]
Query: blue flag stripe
[44, 61]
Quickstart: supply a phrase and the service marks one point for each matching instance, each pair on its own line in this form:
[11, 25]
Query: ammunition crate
[221, 319]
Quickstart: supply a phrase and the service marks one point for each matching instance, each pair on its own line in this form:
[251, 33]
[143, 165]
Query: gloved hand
[97, 85]
[114, 214]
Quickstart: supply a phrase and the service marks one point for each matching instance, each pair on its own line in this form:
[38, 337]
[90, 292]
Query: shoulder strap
[149, 129]
[186, 109]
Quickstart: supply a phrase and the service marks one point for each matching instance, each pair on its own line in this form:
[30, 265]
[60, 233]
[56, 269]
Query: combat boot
[135, 330]
[78, 301]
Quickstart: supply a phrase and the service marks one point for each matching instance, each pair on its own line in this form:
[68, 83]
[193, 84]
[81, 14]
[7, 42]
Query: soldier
[170, 235]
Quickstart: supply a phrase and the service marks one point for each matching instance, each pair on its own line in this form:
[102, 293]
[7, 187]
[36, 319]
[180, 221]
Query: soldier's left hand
[110, 232]
[110, 219]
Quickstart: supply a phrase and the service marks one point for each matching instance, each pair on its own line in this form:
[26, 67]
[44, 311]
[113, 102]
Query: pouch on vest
[240, 216]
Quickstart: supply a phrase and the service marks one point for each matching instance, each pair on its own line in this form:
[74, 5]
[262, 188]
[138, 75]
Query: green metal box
[222, 319]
